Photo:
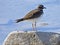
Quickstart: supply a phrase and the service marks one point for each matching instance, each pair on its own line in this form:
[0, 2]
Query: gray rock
[32, 38]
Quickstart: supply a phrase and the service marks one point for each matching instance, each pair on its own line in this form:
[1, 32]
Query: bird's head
[41, 7]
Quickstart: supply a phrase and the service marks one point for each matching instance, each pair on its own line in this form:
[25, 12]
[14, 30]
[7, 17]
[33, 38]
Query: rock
[22, 38]
[32, 38]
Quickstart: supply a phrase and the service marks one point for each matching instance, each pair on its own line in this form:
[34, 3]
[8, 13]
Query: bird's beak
[44, 7]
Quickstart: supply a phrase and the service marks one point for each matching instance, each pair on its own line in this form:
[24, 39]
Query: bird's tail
[19, 20]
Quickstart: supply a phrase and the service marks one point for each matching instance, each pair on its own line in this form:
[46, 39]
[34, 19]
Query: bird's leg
[33, 26]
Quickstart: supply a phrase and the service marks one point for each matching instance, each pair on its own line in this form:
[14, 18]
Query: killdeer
[33, 15]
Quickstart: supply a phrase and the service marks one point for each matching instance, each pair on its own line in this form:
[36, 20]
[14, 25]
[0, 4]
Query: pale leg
[34, 26]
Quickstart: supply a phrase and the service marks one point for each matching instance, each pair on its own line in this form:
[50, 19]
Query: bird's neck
[40, 9]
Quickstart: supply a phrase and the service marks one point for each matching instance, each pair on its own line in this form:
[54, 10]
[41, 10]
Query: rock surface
[32, 38]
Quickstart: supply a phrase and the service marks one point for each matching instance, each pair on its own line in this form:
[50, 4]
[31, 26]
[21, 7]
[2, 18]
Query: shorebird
[33, 15]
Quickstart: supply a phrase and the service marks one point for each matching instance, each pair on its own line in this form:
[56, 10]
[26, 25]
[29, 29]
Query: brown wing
[31, 13]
